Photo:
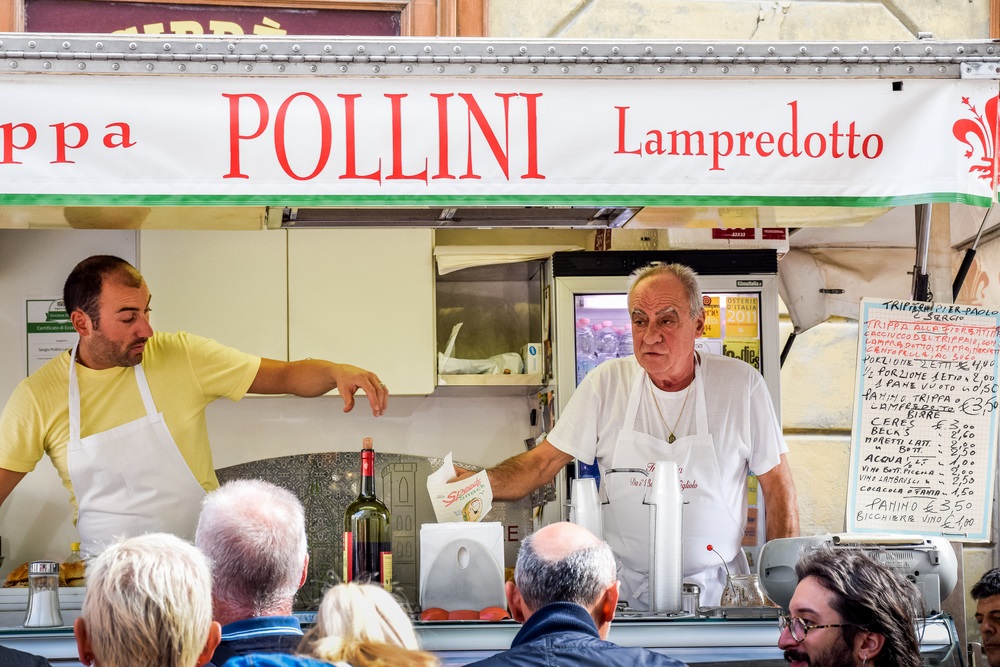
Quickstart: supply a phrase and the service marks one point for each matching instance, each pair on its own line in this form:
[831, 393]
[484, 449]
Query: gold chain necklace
[672, 437]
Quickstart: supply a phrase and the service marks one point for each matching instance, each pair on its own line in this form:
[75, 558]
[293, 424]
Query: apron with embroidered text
[706, 519]
[130, 479]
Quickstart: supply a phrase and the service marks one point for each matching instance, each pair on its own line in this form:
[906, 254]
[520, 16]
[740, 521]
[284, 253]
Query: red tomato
[463, 615]
[493, 614]
[434, 614]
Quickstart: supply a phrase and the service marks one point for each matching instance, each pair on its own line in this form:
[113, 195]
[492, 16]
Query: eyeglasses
[799, 628]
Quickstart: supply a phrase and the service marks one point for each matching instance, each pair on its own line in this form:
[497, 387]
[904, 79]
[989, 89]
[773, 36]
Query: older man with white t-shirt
[710, 414]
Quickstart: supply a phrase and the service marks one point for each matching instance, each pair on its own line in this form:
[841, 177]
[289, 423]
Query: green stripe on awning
[607, 199]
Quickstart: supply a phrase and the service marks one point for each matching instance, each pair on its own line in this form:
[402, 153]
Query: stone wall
[807, 20]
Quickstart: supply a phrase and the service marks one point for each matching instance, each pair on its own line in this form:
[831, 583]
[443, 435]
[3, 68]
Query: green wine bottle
[367, 533]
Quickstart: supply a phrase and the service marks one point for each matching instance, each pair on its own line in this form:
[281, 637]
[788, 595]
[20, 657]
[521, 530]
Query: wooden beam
[11, 15]
[471, 18]
[423, 18]
[994, 19]
[447, 18]
[423, 21]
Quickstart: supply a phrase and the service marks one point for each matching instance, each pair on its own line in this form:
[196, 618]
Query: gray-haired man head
[565, 592]
[254, 534]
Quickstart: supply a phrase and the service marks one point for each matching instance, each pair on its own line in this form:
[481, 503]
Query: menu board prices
[923, 445]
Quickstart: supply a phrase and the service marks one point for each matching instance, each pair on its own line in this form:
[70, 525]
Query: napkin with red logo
[468, 499]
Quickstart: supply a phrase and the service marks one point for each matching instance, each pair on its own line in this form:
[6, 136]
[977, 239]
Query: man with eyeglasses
[986, 593]
[849, 609]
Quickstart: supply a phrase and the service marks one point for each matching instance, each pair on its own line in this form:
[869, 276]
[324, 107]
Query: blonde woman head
[148, 602]
[365, 626]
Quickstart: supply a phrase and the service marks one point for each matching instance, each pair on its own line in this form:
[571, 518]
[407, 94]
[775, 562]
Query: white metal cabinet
[227, 285]
[365, 297]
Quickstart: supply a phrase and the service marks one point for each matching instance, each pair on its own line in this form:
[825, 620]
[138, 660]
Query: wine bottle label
[387, 570]
[348, 556]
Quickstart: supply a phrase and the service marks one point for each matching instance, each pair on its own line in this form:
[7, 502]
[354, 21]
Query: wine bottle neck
[368, 473]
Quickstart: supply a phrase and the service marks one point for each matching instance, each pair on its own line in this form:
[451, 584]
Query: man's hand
[315, 377]
[461, 473]
[350, 379]
[519, 475]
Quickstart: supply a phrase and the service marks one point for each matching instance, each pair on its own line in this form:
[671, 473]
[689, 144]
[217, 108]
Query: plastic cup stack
[585, 506]
[666, 583]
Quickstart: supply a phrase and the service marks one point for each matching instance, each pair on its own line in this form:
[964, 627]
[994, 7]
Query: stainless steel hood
[470, 216]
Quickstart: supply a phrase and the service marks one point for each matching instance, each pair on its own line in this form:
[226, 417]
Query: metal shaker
[691, 598]
[43, 595]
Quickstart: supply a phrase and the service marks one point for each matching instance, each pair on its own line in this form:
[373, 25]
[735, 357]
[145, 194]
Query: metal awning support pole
[919, 292]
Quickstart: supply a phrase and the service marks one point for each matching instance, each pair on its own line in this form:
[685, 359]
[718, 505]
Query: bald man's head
[556, 541]
[563, 562]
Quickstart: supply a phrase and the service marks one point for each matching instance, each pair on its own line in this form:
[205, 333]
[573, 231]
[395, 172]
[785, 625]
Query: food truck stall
[285, 134]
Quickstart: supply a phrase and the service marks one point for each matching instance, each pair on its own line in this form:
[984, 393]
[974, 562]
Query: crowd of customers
[227, 600]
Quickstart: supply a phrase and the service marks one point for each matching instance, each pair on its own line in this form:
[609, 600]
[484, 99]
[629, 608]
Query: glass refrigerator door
[732, 328]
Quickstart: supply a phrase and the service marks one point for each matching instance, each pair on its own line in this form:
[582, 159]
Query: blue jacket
[13, 658]
[563, 634]
[280, 660]
[261, 634]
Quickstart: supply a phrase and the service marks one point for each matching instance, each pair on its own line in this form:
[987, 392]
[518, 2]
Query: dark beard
[839, 655]
[109, 353]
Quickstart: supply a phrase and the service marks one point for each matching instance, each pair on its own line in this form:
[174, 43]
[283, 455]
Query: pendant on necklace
[671, 438]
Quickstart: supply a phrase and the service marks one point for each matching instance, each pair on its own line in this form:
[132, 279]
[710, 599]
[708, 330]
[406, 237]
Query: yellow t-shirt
[185, 373]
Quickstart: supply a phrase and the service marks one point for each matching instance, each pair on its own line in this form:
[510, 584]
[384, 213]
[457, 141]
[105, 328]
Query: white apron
[706, 519]
[131, 479]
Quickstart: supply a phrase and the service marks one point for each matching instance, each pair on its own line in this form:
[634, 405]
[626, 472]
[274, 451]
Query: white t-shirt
[741, 419]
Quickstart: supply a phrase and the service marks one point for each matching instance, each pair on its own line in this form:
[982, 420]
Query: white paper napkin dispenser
[461, 566]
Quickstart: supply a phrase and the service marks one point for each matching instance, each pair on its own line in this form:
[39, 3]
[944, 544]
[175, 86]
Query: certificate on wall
[923, 448]
[49, 331]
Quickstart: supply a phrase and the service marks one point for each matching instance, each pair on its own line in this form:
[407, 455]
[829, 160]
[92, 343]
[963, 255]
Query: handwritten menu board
[923, 451]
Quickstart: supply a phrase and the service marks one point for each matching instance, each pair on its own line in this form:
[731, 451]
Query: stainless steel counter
[695, 641]
[701, 641]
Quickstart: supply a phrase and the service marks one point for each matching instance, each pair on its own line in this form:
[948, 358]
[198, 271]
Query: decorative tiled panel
[327, 483]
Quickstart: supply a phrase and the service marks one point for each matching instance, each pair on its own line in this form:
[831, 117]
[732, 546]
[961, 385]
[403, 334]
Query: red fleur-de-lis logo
[981, 137]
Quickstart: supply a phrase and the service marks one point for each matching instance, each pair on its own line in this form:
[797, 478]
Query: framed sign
[49, 331]
[462, 18]
[212, 18]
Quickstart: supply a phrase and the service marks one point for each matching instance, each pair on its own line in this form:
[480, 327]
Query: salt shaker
[43, 595]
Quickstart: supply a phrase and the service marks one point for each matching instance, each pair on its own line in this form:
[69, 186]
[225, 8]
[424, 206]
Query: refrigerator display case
[740, 296]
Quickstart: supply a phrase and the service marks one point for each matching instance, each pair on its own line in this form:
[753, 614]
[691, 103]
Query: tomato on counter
[434, 614]
[493, 614]
[487, 614]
